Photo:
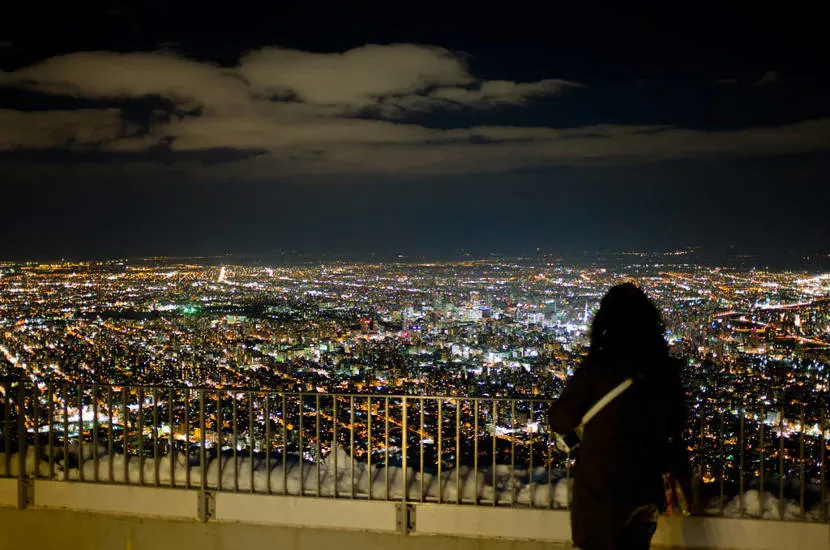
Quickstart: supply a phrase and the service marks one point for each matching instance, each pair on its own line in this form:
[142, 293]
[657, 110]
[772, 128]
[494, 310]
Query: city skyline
[135, 131]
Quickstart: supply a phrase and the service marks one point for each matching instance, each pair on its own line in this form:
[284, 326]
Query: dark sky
[136, 128]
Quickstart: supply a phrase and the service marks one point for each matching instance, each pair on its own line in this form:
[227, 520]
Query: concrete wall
[66, 530]
[96, 516]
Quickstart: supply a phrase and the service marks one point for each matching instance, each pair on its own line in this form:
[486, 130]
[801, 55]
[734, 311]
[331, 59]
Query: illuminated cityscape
[756, 344]
[288, 250]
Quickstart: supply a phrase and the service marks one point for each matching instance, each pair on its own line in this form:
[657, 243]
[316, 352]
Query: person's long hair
[628, 327]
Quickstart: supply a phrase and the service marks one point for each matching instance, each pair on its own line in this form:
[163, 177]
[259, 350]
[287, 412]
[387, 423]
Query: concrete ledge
[117, 499]
[309, 512]
[76, 512]
[69, 530]
[739, 534]
[8, 492]
[493, 522]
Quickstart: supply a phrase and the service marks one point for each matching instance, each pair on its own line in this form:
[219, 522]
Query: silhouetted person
[618, 484]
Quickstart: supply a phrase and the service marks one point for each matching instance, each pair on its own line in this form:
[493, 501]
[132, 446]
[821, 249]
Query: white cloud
[317, 131]
[103, 75]
[78, 129]
[356, 78]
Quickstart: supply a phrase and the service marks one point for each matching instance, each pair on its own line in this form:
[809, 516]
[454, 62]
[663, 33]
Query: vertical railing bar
[110, 436]
[781, 502]
[386, 443]
[440, 450]
[7, 389]
[268, 437]
[284, 446]
[721, 461]
[701, 444]
[202, 450]
[125, 411]
[369, 476]
[493, 438]
[741, 461]
[568, 482]
[351, 443]
[549, 460]
[421, 445]
[80, 432]
[457, 450]
[251, 436]
[404, 449]
[51, 436]
[762, 459]
[802, 481]
[36, 420]
[317, 439]
[235, 429]
[65, 393]
[218, 440]
[475, 450]
[513, 452]
[140, 437]
[335, 428]
[156, 465]
[530, 442]
[186, 399]
[300, 401]
[95, 457]
[823, 469]
[21, 430]
[171, 448]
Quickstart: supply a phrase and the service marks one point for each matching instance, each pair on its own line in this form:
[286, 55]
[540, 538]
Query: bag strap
[607, 398]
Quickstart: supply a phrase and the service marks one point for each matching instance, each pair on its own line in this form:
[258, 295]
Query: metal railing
[762, 461]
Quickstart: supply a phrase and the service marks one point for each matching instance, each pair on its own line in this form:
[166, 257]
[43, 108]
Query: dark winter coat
[626, 447]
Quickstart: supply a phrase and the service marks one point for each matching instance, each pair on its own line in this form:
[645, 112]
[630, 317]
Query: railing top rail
[262, 391]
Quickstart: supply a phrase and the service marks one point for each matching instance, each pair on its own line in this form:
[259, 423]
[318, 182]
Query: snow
[765, 506]
[513, 487]
[519, 487]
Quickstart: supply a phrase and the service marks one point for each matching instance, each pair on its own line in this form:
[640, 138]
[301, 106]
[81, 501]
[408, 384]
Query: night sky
[135, 129]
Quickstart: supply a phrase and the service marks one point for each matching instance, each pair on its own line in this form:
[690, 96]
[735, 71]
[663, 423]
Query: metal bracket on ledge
[25, 492]
[206, 506]
[405, 518]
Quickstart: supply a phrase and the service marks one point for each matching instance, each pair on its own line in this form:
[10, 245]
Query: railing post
[741, 463]
[7, 427]
[823, 473]
[202, 453]
[475, 450]
[781, 503]
[95, 428]
[369, 476]
[25, 486]
[493, 438]
[404, 449]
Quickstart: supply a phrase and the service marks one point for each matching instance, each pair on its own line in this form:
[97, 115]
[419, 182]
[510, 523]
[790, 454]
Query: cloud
[107, 75]
[78, 129]
[302, 114]
[488, 93]
[357, 78]
[769, 77]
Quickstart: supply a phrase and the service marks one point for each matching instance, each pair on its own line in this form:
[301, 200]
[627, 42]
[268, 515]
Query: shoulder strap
[607, 398]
